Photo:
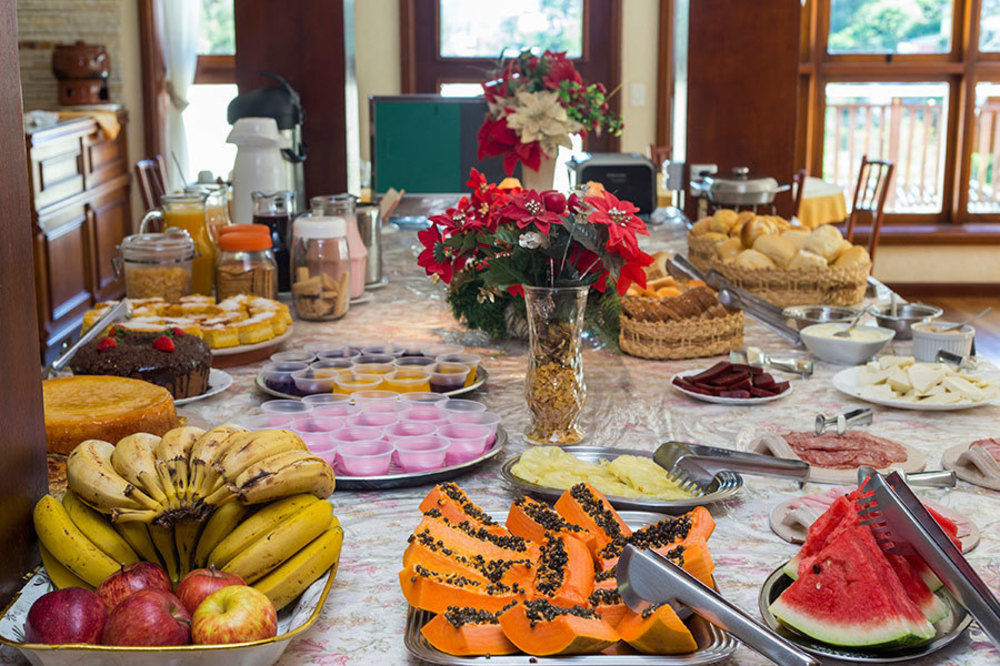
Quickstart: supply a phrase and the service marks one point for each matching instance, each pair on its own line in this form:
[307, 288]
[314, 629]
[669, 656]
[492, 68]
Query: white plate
[240, 349]
[218, 381]
[846, 381]
[718, 400]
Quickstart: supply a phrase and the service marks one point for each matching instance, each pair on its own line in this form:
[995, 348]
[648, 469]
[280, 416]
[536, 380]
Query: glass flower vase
[555, 386]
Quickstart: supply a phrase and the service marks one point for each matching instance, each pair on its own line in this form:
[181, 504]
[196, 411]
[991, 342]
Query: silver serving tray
[948, 630]
[430, 477]
[726, 484]
[714, 645]
[481, 377]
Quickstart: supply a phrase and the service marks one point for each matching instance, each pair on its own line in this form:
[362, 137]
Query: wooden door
[22, 435]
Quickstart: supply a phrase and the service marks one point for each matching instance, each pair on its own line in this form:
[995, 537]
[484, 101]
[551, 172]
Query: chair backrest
[798, 184]
[874, 177]
[152, 175]
[659, 155]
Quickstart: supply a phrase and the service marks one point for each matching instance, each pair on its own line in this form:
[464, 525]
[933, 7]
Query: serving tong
[118, 312]
[646, 578]
[903, 526]
[855, 417]
[757, 358]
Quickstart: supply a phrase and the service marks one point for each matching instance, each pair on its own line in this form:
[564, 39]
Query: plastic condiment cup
[422, 399]
[466, 442]
[415, 361]
[339, 410]
[464, 406]
[311, 380]
[372, 368]
[315, 423]
[487, 419]
[330, 350]
[373, 419]
[278, 376]
[354, 434]
[364, 458]
[447, 377]
[329, 455]
[387, 348]
[290, 407]
[315, 439]
[410, 348]
[356, 346]
[377, 401]
[332, 364]
[375, 358]
[424, 414]
[265, 421]
[404, 430]
[326, 399]
[471, 360]
[409, 380]
[356, 382]
[293, 357]
[419, 454]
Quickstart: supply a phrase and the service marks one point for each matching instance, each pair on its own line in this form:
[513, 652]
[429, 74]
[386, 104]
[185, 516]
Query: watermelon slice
[851, 597]
[840, 513]
[917, 590]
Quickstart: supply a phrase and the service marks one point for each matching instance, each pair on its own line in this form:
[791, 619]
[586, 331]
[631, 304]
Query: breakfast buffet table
[630, 404]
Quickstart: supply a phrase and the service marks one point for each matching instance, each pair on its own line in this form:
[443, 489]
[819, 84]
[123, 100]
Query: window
[469, 32]
[214, 87]
[912, 82]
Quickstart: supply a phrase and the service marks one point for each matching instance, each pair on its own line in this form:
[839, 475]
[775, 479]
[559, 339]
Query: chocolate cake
[170, 358]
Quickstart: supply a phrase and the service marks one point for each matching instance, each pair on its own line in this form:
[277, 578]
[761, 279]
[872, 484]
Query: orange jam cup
[348, 383]
[409, 379]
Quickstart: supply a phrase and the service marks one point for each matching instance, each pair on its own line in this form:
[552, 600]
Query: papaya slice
[656, 630]
[435, 592]
[530, 519]
[541, 629]
[456, 506]
[606, 580]
[424, 550]
[691, 555]
[695, 525]
[608, 604]
[585, 506]
[468, 540]
[465, 632]
[565, 573]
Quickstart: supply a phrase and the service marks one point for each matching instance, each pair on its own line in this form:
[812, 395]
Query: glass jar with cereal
[321, 268]
[156, 265]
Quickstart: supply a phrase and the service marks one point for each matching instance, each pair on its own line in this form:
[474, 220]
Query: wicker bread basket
[804, 286]
[716, 331]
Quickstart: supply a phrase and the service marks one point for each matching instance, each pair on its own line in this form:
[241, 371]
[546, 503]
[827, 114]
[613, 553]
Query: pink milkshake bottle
[342, 205]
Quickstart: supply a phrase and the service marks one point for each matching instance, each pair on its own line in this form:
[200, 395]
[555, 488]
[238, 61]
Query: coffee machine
[282, 103]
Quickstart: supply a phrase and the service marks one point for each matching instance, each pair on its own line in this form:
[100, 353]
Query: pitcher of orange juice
[187, 211]
[216, 206]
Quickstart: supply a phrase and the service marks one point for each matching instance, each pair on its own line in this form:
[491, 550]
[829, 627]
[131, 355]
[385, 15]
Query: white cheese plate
[846, 381]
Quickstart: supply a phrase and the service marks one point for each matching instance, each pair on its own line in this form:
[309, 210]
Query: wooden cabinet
[80, 213]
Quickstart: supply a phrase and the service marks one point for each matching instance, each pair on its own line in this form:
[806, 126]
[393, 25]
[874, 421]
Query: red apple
[234, 614]
[69, 615]
[197, 585]
[131, 579]
[150, 618]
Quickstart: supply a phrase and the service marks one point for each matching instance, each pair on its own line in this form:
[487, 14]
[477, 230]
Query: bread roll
[844, 246]
[702, 226]
[728, 249]
[754, 229]
[797, 236]
[779, 250]
[824, 240]
[653, 285]
[658, 268]
[853, 256]
[806, 259]
[714, 236]
[723, 220]
[753, 259]
[741, 221]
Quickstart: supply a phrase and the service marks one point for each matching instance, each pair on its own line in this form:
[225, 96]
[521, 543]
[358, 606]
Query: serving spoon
[846, 333]
[958, 326]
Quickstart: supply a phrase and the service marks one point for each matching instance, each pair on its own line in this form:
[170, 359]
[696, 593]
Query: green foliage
[468, 304]
[217, 29]
[881, 26]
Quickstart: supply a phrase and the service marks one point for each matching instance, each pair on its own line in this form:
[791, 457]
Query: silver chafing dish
[739, 189]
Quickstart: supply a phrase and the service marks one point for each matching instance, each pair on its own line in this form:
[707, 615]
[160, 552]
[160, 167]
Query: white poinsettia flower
[538, 116]
[532, 240]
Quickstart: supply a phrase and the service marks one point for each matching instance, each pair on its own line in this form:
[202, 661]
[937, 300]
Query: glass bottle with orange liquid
[187, 211]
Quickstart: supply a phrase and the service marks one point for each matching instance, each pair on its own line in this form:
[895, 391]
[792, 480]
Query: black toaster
[628, 176]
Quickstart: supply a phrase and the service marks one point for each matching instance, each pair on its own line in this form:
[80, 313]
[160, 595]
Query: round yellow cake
[103, 407]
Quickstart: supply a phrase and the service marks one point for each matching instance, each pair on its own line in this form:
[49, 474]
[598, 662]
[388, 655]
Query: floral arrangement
[534, 104]
[500, 238]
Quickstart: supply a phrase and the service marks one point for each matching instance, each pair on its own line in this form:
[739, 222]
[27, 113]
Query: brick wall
[43, 23]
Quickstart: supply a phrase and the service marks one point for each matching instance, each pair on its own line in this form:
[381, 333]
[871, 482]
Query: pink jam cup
[376, 401]
[422, 399]
[464, 406]
[424, 414]
[266, 421]
[352, 434]
[466, 442]
[285, 407]
[380, 420]
[419, 454]
[341, 409]
[487, 419]
[315, 401]
[407, 430]
[364, 458]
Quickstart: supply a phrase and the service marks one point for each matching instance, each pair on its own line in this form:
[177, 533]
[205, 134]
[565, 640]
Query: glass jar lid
[172, 245]
[333, 204]
[320, 227]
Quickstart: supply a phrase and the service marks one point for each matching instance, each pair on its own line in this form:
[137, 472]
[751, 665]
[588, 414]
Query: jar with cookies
[246, 265]
[321, 268]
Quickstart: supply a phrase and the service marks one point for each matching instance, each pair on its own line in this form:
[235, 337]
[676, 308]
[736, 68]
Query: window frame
[423, 69]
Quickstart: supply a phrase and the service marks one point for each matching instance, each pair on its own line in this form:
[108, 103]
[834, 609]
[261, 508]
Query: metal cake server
[118, 312]
[646, 578]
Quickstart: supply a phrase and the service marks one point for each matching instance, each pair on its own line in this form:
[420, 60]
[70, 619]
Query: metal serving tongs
[694, 466]
[902, 526]
[118, 312]
[755, 357]
[938, 478]
[645, 578]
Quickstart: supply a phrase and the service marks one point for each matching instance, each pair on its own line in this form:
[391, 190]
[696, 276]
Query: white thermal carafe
[259, 165]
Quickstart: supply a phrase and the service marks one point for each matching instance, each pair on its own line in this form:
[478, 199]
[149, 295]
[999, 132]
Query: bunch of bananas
[185, 475]
[146, 500]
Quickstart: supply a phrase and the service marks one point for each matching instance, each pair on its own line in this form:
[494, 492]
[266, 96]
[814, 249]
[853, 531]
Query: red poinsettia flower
[495, 138]
[530, 155]
[632, 272]
[431, 239]
[619, 217]
[559, 69]
[526, 208]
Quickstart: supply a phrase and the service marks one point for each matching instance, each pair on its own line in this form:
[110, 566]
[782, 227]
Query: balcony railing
[984, 193]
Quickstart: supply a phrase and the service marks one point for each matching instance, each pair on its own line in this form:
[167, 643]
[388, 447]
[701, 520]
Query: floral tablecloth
[629, 405]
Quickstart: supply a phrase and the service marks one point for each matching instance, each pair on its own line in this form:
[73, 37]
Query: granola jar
[321, 268]
[246, 265]
[156, 265]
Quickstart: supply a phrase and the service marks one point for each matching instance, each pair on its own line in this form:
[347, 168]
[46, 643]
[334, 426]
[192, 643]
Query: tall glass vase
[555, 386]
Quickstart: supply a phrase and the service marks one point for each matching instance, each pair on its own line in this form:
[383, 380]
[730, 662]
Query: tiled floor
[987, 328]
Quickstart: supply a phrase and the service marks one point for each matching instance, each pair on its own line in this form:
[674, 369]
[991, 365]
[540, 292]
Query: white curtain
[178, 25]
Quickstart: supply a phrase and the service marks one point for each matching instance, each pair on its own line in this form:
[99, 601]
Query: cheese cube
[924, 375]
[877, 392]
[898, 379]
[868, 375]
[890, 361]
[964, 388]
[944, 398]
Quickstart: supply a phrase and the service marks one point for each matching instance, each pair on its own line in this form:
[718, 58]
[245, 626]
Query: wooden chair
[659, 155]
[798, 184]
[874, 178]
[152, 176]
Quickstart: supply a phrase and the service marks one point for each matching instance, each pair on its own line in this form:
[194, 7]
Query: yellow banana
[216, 480]
[133, 515]
[204, 453]
[67, 543]
[287, 538]
[257, 526]
[225, 519]
[172, 454]
[134, 458]
[186, 539]
[59, 575]
[312, 475]
[297, 573]
[99, 530]
[137, 535]
[268, 466]
[94, 479]
[163, 539]
[262, 444]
